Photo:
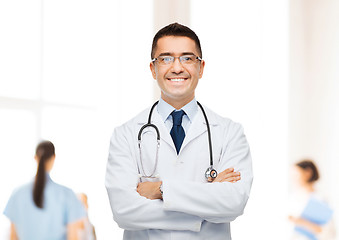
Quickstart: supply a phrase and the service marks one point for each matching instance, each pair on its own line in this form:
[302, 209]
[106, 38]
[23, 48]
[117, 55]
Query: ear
[152, 67]
[36, 158]
[202, 66]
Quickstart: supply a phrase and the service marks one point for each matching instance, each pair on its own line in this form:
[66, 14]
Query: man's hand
[150, 190]
[228, 175]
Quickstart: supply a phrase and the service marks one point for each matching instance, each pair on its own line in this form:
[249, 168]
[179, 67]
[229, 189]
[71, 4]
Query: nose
[177, 66]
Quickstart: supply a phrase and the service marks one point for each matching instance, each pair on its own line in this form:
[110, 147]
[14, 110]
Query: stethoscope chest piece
[211, 174]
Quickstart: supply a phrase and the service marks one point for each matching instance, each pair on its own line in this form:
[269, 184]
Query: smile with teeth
[177, 79]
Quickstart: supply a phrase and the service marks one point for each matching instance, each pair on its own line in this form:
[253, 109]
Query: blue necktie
[177, 131]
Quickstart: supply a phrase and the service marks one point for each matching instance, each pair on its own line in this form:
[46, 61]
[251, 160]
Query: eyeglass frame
[171, 62]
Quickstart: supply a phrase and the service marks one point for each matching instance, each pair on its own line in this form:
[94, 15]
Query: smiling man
[177, 79]
[178, 170]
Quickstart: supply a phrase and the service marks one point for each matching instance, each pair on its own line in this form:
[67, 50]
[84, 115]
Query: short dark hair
[178, 30]
[309, 165]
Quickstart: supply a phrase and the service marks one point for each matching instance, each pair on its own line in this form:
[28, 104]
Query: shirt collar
[165, 109]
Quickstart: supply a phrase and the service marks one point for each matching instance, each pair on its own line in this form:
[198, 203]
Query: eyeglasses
[184, 59]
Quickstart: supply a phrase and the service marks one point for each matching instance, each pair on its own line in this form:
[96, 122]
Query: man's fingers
[229, 174]
[228, 170]
[231, 177]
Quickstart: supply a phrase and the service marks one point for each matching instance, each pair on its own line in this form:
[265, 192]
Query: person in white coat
[178, 201]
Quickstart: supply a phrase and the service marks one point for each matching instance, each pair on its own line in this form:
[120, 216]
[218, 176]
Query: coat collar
[198, 126]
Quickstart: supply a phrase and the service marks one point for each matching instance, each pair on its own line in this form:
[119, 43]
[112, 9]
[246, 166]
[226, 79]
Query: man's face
[177, 80]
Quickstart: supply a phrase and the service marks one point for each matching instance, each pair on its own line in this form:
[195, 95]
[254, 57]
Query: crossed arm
[151, 190]
[138, 206]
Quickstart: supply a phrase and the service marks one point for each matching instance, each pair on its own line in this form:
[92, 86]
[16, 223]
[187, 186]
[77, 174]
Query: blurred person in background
[87, 230]
[311, 216]
[43, 209]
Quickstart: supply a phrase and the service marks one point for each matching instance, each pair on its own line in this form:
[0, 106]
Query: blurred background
[68, 67]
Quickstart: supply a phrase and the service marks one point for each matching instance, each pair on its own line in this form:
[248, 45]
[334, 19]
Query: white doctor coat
[191, 207]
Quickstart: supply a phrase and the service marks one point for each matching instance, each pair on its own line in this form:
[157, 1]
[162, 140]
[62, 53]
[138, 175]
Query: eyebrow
[170, 54]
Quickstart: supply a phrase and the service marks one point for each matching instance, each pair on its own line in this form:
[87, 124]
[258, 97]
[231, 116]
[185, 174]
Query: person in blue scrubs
[311, 214]
[43, 209]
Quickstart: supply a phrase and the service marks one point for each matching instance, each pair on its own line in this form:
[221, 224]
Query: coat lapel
[159, 123]
[197, 128]
[164, 132]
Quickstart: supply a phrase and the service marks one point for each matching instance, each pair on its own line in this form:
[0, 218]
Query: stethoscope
[210, 173]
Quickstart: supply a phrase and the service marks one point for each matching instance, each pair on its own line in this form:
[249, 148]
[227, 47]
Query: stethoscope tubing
[209, 134]
[149, 124]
